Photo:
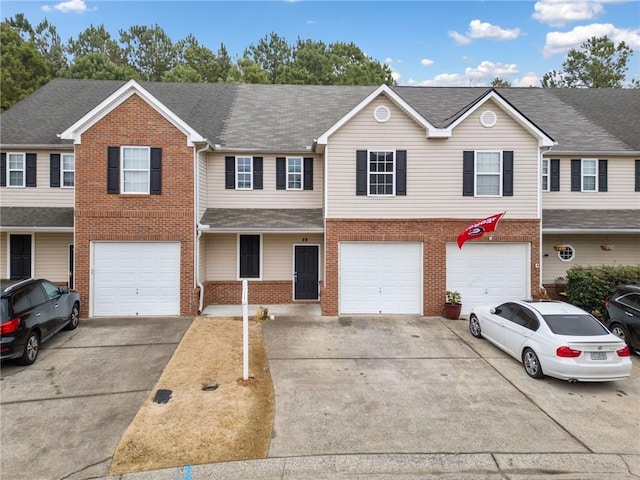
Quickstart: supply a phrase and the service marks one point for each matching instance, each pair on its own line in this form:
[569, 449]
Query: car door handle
[56, 306]
[628, 314]
[38, 314]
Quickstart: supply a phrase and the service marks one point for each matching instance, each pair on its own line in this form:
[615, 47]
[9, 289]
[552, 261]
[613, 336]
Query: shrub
[589, 287]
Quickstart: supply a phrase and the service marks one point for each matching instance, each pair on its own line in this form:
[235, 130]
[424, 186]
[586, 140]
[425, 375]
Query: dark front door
[70, 266]
[306, 272]
[20, 256]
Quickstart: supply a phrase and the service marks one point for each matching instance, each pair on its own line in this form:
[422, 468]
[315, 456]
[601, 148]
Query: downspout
[541, 152]
[196, 213]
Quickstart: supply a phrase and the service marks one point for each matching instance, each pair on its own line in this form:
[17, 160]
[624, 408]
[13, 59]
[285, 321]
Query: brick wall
[434, 234]
[165, 217]
[260, 292]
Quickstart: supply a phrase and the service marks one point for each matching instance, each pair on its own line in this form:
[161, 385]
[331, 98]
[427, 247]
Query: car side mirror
[63, 290]
[493, 310]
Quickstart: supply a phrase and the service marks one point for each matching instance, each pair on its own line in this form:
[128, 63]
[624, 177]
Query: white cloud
[442, 80]
[396, 76]
[459, 38]
[482, 75]
[561, 42]
[76, 6]
[560, 12]
[425, 62]
[528, 80]
[478, 29]
[311, 22]
[390, 61]
[491, 70]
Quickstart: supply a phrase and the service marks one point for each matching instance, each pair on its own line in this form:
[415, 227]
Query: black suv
[32, 312]
[622, 314]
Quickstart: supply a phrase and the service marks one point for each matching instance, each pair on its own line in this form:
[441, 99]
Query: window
[16, 169]
[135, 169]
[52, 290]
[488, 174]
[567, 253]
[381, 173]
[545, 174]
[244, 173]
[249, 256]
[589, 175]
[294, 173]
[68, 170]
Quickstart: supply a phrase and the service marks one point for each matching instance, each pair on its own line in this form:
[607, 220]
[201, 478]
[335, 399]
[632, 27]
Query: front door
[305, 277]
[20, 256]
[70, 266]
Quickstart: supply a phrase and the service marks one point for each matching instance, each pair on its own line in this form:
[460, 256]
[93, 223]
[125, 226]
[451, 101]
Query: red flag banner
[479, 228]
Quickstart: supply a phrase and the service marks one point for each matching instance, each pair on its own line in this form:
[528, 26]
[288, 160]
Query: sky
[434, 43]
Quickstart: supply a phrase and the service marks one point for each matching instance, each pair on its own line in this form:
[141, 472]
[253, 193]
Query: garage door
[380, 278]
[488, 273]
[136, 278]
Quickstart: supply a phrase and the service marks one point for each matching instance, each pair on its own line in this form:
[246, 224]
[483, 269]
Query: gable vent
[381, 114]
[488, 119]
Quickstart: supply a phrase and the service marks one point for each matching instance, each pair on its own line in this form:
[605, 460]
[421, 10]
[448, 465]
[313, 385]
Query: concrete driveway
[390, 385]
[90, 384]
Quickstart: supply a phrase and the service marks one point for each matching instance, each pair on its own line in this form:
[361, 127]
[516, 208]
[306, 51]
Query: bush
[589, 287]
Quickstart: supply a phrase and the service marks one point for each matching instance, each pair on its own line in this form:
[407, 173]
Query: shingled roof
[290, 117]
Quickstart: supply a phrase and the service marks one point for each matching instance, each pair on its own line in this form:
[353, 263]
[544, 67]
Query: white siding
[620, 192]
[277, 255]
[268, 197]
[587, 249]
[42, 195]
[52, 256]
[202, 185]
[4, 251]
[434, 167]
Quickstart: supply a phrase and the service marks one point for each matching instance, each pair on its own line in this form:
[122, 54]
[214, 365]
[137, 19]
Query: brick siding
[260, 292]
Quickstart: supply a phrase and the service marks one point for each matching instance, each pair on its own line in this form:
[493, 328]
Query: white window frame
[125, 171]
[244, 173]
[546, 175]
[260, 273]
[291, 175]
[393, 173]
[23, 170]
[492, 174]
[568, 254]
[63, 170]
[584, 175]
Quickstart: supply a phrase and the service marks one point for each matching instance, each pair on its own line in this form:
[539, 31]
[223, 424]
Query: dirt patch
[212, 414]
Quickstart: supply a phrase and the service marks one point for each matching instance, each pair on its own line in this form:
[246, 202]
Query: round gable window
[567, 253]
[488, 119]
[381, 114]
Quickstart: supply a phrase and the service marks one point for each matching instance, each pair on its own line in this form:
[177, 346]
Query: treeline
[32, 56]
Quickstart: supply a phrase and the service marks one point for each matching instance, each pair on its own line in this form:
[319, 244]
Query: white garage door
[136, 278]
[380, 278]
[488, 273]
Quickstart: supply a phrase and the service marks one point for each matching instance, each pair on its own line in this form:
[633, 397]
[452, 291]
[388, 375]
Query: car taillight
[624, 352]
[606, 303]
[568, 352]
[10, 326]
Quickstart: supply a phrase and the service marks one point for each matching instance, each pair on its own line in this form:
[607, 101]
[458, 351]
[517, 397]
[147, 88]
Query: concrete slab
[279, 310]
[63, 416]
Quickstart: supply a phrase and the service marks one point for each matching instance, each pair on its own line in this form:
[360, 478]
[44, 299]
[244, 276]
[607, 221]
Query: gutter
[198, 233]
[207, 229]
[9, 228]
[41, 146]
[591, 231]
[585, 153]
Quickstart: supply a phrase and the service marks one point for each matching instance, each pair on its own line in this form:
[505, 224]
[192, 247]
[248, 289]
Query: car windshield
[578, 325]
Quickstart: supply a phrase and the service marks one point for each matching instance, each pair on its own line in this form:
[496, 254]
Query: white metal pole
[245, 331]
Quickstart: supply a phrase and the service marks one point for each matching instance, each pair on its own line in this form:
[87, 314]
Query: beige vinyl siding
[268, 197]
[52, 256]
[620, 192]
[42, 195]
[587, 249]
[202, 259]
[202, 185]
[434, 167]
[277, 255]
[4, 252]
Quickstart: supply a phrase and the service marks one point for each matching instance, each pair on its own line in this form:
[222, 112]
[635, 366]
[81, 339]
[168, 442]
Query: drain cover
[162, 396]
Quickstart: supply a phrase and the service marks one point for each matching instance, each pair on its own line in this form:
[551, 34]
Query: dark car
[32, 312]
[622, 314]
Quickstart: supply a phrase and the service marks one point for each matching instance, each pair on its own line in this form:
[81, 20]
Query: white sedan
[555, 339]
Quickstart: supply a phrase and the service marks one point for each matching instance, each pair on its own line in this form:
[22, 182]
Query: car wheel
[74, 317]
[31, 349]
[474, 326]
[620, 332]
[531, 364]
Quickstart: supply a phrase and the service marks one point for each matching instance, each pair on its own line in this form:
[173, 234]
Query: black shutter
[230, 173]
[507, 173]
[576, 175]
[155, 188]
[308, 173]
[113, 170]
[637, 175]
[467, 173]
[401, 172]
[257, 173]
[361, 172]
[249, 256]
[554, 175]
[31, 170]
[3, 169]
[54, 170]
[602, 175]
[281, 173]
